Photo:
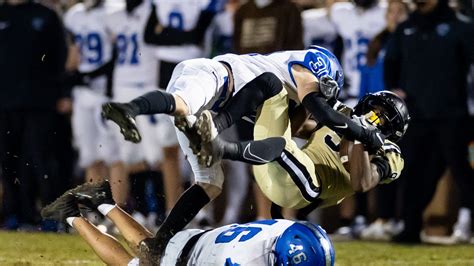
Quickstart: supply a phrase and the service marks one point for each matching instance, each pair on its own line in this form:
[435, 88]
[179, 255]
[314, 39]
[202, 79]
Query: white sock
[464, 216]
[105, 208]
[69, 220]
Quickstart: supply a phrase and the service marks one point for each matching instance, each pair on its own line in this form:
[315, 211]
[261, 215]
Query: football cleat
[205, 127]
[186, 124]
[123, 116]
[63, 207]
[93, 194]
[212, 152]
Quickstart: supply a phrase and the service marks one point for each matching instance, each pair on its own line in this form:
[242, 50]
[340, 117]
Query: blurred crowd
[60, 60]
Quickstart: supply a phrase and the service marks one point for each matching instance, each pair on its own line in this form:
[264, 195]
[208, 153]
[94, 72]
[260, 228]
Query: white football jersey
[236, 244]
[92, 38]
[183, 15]
[245, 68]
[318, 28]
[136, 63]
[357, 28]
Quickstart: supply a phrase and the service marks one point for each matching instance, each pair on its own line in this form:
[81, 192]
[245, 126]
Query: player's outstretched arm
[105, 246]
[309, 95]
[131, 230]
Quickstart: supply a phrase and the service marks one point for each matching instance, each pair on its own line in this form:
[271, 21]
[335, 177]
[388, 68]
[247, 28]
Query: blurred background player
[319, 30]
[135, 73]
[385, 225]
[86, 21]
[273, 242]
[357, 22]
[178, 17]
[266, 26]
[421, 78]
[32, 59]
[219, 39]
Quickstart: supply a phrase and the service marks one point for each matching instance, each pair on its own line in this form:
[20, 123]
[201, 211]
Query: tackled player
[273, 242]
[201, 84]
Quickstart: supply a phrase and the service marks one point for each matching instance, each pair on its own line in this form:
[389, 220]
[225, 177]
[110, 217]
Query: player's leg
[419, 177]
[111, 152]
[455, 142]
[193, 85]
[248, 99]
[207, 187]
[165, 137]
[85, 130]
[171, 175]
[237, 182]
[270, 126]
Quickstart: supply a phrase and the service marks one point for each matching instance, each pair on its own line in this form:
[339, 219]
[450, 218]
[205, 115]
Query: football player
[357, 22]
[273, 242]
[86, 22]
[201, 84]
[328, 168]
[135, 73]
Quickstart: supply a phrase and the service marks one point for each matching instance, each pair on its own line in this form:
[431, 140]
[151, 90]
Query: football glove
[373, 139]
[392, 153]
[328, 88]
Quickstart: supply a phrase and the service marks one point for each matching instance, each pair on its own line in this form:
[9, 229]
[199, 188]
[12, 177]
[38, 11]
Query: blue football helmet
[329, 62]
[304, 244]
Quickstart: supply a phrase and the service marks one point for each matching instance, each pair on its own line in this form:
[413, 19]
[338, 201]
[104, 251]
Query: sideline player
[273, 242]
[357, 22]
[135, 73]
[202, 84]
[86, 22]
[328, 168]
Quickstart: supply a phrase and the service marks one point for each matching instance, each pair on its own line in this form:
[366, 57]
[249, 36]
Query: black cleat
[93, 194]
[123, 116]
[186, 124]
[63, 207]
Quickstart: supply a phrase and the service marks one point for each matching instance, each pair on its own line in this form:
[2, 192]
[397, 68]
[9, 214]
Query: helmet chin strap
[263, 3]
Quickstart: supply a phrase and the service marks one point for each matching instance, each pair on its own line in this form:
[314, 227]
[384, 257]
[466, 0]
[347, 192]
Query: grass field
[64, 249]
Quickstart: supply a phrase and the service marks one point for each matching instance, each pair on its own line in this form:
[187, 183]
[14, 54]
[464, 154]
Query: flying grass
[18, 248]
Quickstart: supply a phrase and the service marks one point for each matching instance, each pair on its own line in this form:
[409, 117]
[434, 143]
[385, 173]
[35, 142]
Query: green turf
[63, 249]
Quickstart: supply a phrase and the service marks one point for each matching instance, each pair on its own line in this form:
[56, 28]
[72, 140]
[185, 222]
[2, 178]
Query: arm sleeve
[326, 115]
[392, 61]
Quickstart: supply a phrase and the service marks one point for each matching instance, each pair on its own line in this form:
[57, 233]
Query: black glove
[373, 140]
[371, 136]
